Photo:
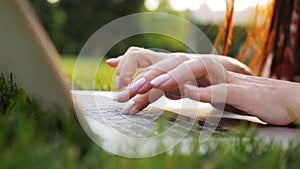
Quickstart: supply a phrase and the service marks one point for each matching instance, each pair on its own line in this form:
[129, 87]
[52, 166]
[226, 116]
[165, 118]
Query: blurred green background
[71, 22]
[31, 137]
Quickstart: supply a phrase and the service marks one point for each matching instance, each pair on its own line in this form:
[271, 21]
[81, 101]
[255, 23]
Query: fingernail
[138, 84]
[160, 79]
[111, 60]
[126, 109]
[191, 87]
[117, 82]
[118, 96]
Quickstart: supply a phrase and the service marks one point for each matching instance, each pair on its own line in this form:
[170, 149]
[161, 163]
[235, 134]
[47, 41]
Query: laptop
[29, 54]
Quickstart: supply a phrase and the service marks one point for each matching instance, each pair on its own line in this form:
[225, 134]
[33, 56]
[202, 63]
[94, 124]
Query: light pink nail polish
[126, 109]
[118, 96]
[111, 60]
[138, 84]
[160, 79]
[117, 82]
[191, 87]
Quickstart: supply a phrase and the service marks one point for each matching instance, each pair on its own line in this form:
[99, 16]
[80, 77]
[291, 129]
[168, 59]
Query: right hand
[135, 58]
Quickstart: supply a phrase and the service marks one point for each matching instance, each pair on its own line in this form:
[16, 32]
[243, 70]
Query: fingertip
[113, 62]
[129, 107]
[117, 97]
[124, 96]
[133, 111]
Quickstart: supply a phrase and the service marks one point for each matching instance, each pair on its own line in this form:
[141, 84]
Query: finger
[140, 102]
[215, 94]
[191, 70]
[124, 96]
[139, 84]
[129, 93]
[126, 71]
[133, 59]
[113, 62]
[143, 85]
[198, 94]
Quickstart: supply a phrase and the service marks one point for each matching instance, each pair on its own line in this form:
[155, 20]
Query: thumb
[113, 62]
[212, 94]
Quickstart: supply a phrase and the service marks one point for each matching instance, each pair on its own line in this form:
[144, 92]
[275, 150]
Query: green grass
[103, 79]
[31, 137]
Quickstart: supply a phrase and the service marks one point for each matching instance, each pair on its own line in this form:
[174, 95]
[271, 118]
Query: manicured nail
[112, 60]
[160, 79]
[118, 96]
[117, 83]
[126, 109]
[138, 84]
[191, 87]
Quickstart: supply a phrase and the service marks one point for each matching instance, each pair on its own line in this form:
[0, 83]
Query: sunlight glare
[151, 5]
[183, 5]
[262, 2]
[52, 1]
[239, 5]
[215, 5]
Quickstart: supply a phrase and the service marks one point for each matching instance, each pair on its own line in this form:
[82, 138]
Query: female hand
[159, 63]
[273, 101]
[135, 58]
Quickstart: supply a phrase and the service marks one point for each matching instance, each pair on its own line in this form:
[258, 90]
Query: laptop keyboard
[146, 123]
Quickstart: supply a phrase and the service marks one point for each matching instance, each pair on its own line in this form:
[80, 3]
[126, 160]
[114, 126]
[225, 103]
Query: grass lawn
[31, 137]
[104, 74]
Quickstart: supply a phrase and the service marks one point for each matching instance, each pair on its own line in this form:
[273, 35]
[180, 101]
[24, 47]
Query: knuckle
[132, 51]
[181, 57]
[133, 48]
[133, 55]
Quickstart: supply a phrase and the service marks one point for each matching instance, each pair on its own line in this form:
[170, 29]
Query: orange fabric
[223, 40]
[274, 32]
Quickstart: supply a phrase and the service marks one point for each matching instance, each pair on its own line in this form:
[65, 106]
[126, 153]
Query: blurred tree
[71, 22]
